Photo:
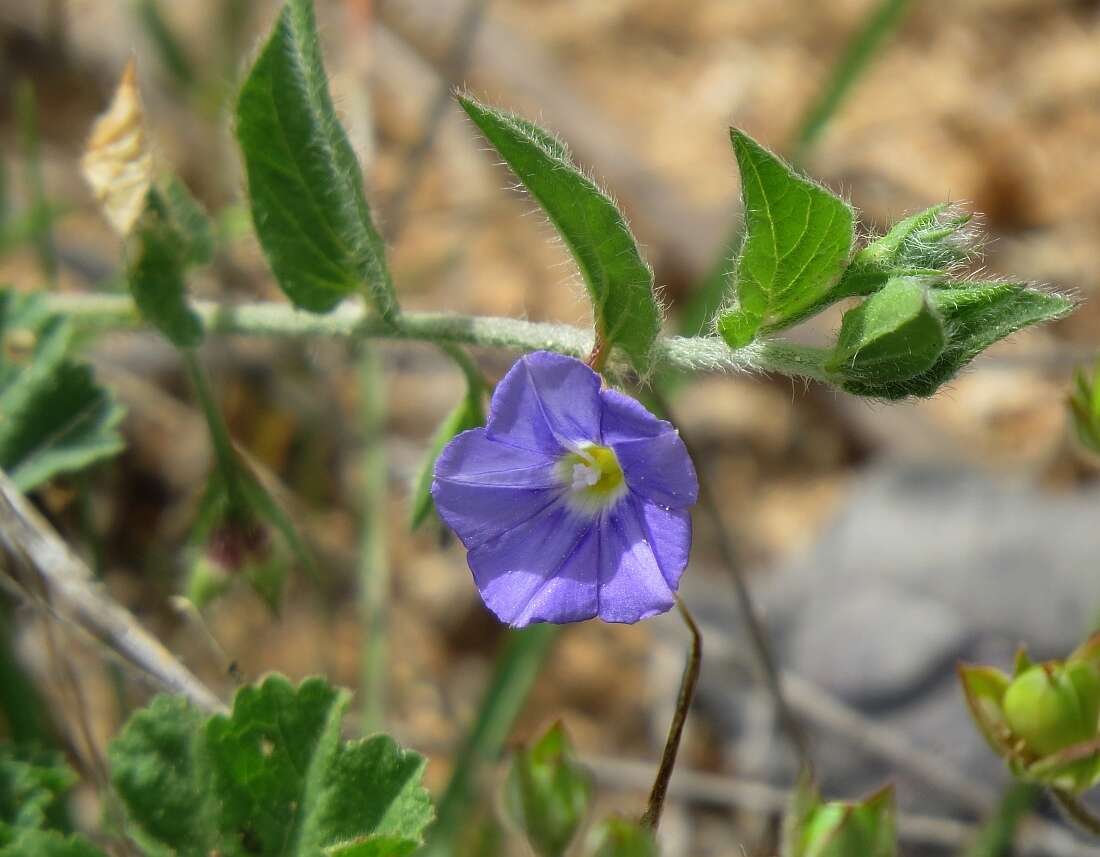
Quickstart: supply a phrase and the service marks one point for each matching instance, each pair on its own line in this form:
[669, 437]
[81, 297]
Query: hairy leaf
[304, 182]
[54, 418]
[619, 282]
[797, 239]
[272, 778]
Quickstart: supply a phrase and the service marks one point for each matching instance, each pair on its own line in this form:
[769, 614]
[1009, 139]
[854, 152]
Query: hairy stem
[683, 354]
[657, 794]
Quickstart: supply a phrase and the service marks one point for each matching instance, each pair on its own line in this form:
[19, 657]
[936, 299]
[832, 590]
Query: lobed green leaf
[54, 418]
[798, 237]
[618, 279]
[271, 778]
[304, 183]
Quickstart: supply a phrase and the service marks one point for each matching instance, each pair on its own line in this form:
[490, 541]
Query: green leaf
[798, 236]
[54, 418]
[928, 245]
[32, 785]
[191, 222]
[890, 337]
[156, 274]
[547, 793]
[304, 182]
[619, 281]
[620, 837]
[468, 414]
[272, 778]
[16, 842]
[975, 315]
[69, 424]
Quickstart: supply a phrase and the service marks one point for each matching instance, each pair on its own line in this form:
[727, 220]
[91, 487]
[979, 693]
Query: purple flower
[572, 501]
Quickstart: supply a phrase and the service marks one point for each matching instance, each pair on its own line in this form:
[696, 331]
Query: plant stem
[224, 454]
[759, 637]
[374, 569]
[682, 354]
[657, 794]
[879, 25]
[1076, 812]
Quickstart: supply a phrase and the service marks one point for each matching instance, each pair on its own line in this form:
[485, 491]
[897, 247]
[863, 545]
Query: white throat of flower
[592, 477]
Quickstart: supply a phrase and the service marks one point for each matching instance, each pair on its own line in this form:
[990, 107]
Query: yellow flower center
[593, 476]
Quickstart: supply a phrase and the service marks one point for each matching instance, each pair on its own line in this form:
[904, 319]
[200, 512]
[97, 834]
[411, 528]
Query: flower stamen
[593, 476]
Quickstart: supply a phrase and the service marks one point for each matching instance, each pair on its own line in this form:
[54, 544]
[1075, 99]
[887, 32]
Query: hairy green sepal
[894, 334]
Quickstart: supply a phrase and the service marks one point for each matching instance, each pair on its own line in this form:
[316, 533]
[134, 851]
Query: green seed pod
[1051, 707]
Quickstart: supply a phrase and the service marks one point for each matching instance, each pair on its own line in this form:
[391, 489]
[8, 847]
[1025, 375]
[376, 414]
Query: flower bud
[237, 549]
[892, 336]
[619, 837]
[843, 829]
[1051, 707]
[1044, 719]
[547, 794]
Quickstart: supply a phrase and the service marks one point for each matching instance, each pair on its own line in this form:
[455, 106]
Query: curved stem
[1076, 812]
[676, 353]
[757, 634]
[652, 816]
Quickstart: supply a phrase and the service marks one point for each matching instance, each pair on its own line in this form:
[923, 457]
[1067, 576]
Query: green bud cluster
[547, 794]
[817, 828]
[1044, 719]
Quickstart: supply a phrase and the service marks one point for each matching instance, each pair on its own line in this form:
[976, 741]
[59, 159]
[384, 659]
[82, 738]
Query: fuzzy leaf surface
[272, 778]
[305, 187]
[798, 236]
[54, 418]
[618, 279]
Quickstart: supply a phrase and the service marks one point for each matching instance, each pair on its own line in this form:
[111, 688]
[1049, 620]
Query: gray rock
[922, 568]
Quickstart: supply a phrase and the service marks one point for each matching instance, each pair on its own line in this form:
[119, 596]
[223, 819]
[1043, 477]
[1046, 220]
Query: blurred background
[884, 541]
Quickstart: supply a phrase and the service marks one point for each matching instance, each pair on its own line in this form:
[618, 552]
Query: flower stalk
[652, 816]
